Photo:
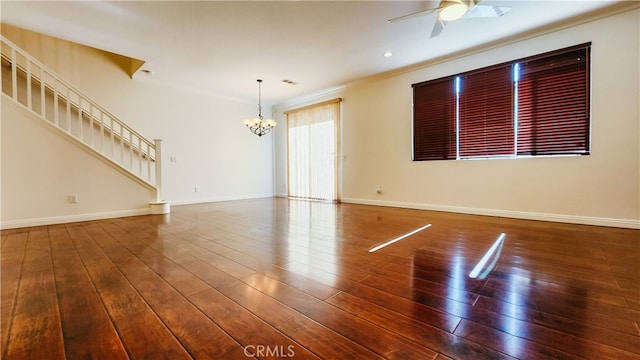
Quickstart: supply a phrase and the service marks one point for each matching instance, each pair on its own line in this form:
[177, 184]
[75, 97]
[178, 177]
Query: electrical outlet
[379, 190]
[195, 189]
[72, 198]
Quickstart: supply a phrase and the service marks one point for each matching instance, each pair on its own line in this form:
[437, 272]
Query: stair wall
[42, 168]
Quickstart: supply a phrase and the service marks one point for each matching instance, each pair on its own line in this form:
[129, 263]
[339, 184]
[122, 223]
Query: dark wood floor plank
[265, 307]
[457, 306]
[223, 263]
[519, 307]
[128, 310]
[327, 272]
[169, 245]
[325, 343]
[36, 331]
[302, 283]
[428, 315]
[173, 309]
[404, 306]
[571, 305]
[509, 344]
[519, 300]
[11, 259]
[87, 329]
[623, 335]
[251, 332]
[182, 280]
[601, 294]
[383, 342]
[210, 274]
[437, 339]
[200, 336]
[633, 302]
[442, 357]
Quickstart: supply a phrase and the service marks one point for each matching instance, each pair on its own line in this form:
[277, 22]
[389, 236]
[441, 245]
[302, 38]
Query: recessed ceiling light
[388, 54]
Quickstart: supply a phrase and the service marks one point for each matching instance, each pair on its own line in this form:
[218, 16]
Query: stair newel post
[159, 206]
[158, 147]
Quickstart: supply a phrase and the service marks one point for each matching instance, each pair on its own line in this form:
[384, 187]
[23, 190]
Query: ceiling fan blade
[437, 27]
[417, 13]
[486, 11]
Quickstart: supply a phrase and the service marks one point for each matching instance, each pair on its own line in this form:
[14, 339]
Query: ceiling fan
[450, 10]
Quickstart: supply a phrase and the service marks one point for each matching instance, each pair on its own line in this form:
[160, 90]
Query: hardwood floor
[273, 278]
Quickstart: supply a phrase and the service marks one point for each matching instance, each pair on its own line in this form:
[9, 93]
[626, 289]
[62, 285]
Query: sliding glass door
[312, 151]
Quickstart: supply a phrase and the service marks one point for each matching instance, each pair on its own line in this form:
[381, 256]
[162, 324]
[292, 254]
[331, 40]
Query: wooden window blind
[434, 126]
[486, 113]
[553, 104]
[537, 105]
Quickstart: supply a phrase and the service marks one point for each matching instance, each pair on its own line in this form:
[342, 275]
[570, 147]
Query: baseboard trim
[571, 219]
[14, 224]
[218, 199]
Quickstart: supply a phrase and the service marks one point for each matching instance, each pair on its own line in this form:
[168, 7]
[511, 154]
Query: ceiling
[223, 47]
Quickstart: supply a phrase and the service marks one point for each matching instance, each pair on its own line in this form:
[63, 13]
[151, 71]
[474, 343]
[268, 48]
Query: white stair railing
[40, 90]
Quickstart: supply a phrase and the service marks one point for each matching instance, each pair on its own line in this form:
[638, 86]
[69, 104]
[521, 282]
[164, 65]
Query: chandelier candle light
[258, 125]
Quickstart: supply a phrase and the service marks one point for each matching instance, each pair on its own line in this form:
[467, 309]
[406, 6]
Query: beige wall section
[203, 133]
[603, 188]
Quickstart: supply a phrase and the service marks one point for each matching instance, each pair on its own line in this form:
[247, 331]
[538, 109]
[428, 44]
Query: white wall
[204, 133]
[602, 188]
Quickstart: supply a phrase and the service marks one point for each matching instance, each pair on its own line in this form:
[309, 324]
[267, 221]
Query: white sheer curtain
[312, 147]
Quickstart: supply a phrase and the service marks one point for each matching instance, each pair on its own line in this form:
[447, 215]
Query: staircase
[42, 92]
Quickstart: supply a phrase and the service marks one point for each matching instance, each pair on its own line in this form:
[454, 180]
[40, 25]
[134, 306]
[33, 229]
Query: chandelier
[258, 125]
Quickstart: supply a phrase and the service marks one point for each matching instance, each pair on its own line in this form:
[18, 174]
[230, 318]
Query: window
[312, 148]
[434, 105]
[533, 106]
[485, 110]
